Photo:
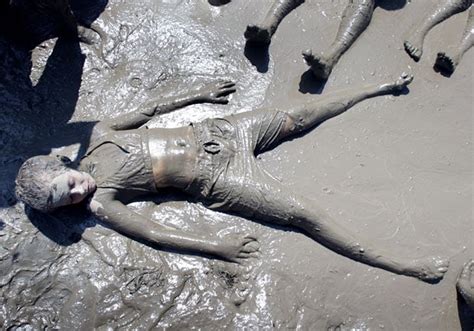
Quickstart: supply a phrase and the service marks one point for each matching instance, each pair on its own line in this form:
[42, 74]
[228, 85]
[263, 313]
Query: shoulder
[101, 199]
[100, 129]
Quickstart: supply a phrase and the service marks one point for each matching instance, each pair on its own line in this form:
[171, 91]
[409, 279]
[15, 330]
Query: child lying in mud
[213, 161]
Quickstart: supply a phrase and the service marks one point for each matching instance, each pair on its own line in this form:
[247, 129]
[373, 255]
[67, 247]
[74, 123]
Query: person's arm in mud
[216, 92]
[114, 214]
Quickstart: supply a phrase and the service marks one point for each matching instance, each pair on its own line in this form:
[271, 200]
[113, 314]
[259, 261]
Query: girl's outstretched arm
[116, 215]
[216, 92]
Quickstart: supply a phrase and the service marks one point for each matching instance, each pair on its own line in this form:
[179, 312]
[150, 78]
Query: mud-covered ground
[396, 170]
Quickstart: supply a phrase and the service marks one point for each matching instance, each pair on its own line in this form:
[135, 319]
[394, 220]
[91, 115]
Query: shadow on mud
[63, 227]
[310, 84]
[35, 117]
[466, 315]
[218, 3]
[258, 55]
[391, 4]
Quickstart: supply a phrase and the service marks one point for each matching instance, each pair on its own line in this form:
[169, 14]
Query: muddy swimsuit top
[120, 160]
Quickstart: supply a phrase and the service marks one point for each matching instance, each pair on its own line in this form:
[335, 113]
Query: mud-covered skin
[172, 168]
[263, 32]
[34, 21]
[130, 277]
[465, 283]
[173, 151]
[355, 20]
[446, 62]
[447, 8]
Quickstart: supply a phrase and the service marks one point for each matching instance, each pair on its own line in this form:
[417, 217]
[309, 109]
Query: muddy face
[70, 188]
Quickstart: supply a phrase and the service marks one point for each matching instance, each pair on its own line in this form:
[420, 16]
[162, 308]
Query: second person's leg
[414, 43]
[262, 33]
[448, 61]
[355, 20]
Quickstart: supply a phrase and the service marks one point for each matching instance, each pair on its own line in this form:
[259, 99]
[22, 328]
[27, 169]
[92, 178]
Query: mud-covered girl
[213, 161]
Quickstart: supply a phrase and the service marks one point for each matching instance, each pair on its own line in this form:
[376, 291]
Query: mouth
[89, 187]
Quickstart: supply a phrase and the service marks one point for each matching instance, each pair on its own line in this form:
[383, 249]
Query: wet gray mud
[397, 170]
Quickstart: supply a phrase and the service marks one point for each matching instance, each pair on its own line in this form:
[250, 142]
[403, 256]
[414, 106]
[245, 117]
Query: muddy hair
[34, 179]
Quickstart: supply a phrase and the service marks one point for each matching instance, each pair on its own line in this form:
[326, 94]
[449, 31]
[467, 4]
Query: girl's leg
[262, 33]
[307, 116]
[447, 62]
[262, 198]
[414, 43]
[264, 129]
[355, 20]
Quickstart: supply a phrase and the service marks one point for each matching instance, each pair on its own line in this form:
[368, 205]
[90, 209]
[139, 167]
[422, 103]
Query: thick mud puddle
[397, 170]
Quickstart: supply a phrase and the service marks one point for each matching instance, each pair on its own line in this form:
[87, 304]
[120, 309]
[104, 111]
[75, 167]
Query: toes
[404, 80]
[225, 92]
[308, 56]
[249, 238]
[440, 262]
[227, 84]
[251, 247]
[221, 100]
[251, 31]
[444, 63]
[407, 78]
[443, 269]
[413, 51]
[247, 255]
[257, 34]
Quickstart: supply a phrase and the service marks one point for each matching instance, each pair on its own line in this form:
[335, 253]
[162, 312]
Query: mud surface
[398, 170]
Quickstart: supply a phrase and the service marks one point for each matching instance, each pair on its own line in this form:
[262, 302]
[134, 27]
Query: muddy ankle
[258, 34]
[321, 67]
[430, 269]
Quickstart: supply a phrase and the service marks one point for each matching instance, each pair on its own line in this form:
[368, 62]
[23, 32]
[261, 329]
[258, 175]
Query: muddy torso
[120, 160]
[142, 160]
[173, 154]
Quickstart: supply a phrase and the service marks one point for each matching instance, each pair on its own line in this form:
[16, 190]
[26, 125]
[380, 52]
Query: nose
[79, 189]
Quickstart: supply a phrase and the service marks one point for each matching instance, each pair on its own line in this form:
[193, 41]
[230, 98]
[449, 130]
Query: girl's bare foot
[445, 63]
[320, 65]
[258, 34]
[236, 248]
[431, 269]
[397, 86]
[414, 48]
